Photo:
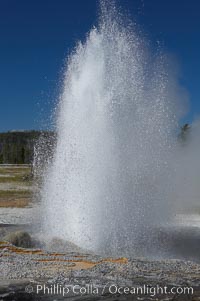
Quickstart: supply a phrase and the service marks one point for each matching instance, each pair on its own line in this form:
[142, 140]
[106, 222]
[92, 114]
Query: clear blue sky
[37, 35]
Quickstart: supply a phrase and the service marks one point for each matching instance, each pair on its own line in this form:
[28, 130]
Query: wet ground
[34, 274]
[29, 274]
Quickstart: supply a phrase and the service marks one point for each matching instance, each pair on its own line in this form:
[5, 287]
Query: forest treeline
[17, 147]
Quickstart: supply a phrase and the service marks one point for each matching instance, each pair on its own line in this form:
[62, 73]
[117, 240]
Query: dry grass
[15, 203]
[14, 170]
[14, 178]
[15, 175]
[14, 193]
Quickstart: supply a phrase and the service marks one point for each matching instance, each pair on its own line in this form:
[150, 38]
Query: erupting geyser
[109, 183]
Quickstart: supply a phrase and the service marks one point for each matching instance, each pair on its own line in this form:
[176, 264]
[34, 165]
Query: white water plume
[110, 181]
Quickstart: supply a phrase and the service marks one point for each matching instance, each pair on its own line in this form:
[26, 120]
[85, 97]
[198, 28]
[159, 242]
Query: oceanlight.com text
[113, 289]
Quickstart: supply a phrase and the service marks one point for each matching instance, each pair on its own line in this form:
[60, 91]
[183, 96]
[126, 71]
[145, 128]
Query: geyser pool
[108, 186]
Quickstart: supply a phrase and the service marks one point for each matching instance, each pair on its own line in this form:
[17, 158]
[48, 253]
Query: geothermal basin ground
[41, 270]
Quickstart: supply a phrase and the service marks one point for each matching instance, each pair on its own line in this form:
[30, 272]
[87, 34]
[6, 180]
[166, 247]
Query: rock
[19, 239]
[60, 245]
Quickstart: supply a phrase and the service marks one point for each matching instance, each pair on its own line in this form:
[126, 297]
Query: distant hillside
[17, 147]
